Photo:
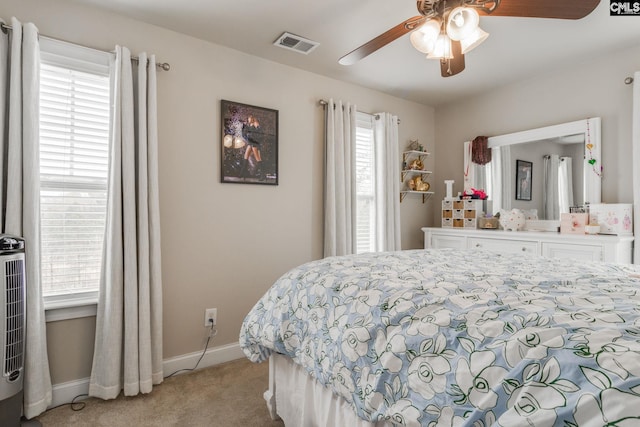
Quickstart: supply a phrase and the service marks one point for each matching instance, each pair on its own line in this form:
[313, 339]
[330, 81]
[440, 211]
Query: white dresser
[605, 248]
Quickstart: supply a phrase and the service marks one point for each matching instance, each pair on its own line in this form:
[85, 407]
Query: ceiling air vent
[296, 43]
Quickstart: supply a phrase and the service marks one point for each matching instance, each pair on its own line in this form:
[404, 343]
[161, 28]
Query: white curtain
[128, 344]
[479, 176]
[340, 195]
[469, 170]
[501, 178]
[636, 161]
[551, 198]
[20, 187]
[565, 184]
[496, 180]
[387, 182]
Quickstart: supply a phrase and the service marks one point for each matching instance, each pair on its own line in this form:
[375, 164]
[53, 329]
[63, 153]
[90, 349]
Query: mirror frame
[592, 166]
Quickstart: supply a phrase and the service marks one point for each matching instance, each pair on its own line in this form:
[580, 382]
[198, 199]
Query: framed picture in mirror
[523, 179]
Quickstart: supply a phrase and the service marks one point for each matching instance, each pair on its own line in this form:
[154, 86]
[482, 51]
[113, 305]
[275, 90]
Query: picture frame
[249, 144]
[524, 174]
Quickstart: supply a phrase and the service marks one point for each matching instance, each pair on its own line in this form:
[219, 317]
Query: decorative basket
[488, 223]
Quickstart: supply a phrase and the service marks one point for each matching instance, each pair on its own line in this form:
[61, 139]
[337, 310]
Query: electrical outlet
[209, 315]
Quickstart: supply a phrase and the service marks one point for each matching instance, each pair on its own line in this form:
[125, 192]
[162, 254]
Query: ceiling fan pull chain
[449, 72]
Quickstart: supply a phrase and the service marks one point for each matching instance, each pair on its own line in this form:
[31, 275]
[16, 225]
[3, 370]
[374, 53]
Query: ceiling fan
[447, 29]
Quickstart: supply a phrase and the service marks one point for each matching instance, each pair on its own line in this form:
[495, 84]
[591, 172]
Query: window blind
[74, 148]
[365, 184]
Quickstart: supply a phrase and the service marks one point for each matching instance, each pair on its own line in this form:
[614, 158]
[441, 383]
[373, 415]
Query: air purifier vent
[14, 318]
[13, 300]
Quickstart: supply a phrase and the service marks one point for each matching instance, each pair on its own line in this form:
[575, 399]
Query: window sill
[72, 306]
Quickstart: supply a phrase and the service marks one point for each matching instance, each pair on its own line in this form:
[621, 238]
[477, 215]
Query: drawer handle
[524, 249]
[478, 245]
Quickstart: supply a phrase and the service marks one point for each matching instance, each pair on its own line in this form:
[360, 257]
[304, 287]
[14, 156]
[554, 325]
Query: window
[365, 184]
[74, 148]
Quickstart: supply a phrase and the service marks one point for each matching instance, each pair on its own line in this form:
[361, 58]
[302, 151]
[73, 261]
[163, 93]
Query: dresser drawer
[502, 245]
[565, 250]
[446, 242]
[470, 213]
[470, 223]
[447, 205]
[463, 235]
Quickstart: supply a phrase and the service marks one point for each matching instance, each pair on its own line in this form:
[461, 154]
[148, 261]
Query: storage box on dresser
[613, 218]
[615, 249]
[461, 213]
[573, 223]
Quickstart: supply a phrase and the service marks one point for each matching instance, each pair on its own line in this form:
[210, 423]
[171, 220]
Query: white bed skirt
[302, 401]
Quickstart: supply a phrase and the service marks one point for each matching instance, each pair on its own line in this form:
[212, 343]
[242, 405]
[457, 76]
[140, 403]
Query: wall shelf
[404, 173]
[407, 174]
[426, 195]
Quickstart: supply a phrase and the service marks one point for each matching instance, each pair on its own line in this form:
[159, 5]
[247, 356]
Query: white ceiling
[517, 48]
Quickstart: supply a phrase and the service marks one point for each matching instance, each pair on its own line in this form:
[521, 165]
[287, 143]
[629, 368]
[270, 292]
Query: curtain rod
[162, 65]
[377, 116]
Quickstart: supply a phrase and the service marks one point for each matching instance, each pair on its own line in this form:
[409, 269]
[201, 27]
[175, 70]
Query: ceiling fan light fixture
[424, 38]
[473, 40]
[442, 48]
[461, 22]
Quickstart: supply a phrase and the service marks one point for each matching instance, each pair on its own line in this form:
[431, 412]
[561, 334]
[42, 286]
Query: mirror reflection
[560, 175]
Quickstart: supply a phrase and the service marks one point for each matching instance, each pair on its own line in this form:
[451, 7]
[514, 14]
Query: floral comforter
[450, 338]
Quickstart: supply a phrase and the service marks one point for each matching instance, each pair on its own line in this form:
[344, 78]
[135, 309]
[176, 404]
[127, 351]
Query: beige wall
[592, 88]
[222, 244]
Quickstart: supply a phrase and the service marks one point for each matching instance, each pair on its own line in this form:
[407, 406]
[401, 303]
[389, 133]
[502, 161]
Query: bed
[447, 337]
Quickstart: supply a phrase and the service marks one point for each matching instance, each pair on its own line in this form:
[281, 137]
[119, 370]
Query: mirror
[542, 171]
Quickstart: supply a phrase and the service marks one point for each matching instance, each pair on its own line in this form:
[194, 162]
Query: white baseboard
[213, 356]
[65, 392]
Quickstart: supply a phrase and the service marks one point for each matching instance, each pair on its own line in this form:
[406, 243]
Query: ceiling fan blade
[560, 9]
[382, 40]
[455, 65]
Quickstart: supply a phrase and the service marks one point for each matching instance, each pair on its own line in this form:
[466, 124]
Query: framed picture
[523, 179]
[249, 144]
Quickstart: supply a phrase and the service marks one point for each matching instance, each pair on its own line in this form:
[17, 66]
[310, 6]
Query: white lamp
[473, 40]
[434, 38]
[462, 21]
[424, 38]
[442, 48]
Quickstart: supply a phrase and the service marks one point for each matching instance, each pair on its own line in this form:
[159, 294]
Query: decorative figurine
[420, 185]
[416, 164]
[414, 145]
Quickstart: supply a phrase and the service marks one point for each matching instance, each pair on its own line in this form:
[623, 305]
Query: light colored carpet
[228, 395]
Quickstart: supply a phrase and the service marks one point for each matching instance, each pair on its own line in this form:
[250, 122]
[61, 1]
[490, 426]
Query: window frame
[365, 129]
[79, 58]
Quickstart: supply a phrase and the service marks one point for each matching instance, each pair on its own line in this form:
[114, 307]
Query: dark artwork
[249, 144]
[523, 179]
